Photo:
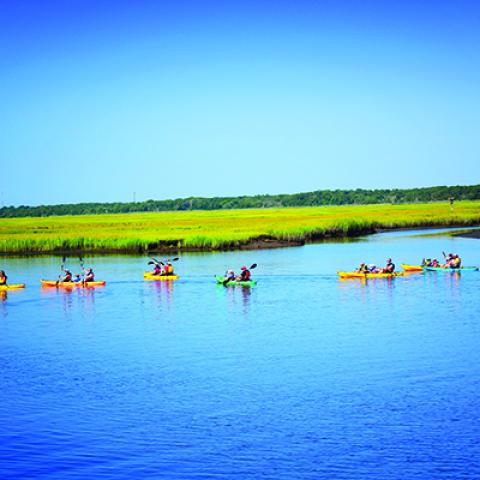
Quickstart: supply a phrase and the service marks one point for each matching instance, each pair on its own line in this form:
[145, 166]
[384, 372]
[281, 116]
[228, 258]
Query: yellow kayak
[412, 268]
[54, 283]
[151, 276]
[369, 275]
[12, 286]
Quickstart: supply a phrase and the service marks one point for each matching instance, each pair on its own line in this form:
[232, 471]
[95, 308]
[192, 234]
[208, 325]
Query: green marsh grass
[219, 229]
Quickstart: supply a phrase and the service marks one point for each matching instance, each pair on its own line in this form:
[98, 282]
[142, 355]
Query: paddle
[62, 268]
[82, 266]
[158, 262]
[446, 261]
[254, 265]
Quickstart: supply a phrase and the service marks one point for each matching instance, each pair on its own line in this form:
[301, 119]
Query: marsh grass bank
[221, 229]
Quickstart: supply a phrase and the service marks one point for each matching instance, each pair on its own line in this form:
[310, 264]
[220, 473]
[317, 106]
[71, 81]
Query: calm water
[301, 377]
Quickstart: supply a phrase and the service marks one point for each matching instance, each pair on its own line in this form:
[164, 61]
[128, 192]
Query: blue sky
[101, 99]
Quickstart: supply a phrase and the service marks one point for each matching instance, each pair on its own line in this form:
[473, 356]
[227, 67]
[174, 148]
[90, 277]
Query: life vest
[246, 275]
[169, 269]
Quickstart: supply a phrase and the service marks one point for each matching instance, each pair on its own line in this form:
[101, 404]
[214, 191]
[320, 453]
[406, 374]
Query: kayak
[461, 269]
[412, 268]
[54, 283]
[248, 283]
[369, 275]
[151, 276]
[12, 286]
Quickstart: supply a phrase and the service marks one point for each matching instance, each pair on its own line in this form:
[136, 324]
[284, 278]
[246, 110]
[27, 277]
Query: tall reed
[222, 229]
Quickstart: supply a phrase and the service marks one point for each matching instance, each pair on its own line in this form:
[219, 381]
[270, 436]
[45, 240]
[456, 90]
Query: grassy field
[222, 229]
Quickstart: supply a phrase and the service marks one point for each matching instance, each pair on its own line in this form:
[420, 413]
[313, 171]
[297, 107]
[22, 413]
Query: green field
[219, 229]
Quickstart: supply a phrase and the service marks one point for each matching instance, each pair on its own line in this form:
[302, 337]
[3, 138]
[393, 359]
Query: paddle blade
[253, 266]
[175, 259]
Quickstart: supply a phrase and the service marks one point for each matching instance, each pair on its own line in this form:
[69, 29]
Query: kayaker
[449, 260]
[456, 262]
[3, 278]
[67, 277]
[230, 275]
[89, 276]
[157, 269]
[426, 262]
[362, 268]
[435, 263]
[389, 267]
[168, 268]
[77, 278]
[244, 275]
[372, 268]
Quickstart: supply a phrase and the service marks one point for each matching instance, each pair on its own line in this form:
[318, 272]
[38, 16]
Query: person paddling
[67, 277]
[456, 261]
[169, 268]
[89, 276]
[389, 267]
[244, 275]
[229, 276]
[157, 269]
[3, 277]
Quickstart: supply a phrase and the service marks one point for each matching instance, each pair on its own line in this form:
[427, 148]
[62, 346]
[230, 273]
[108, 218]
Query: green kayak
[248, 283]
[461, 269]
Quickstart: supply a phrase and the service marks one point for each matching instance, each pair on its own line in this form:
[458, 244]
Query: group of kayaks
[221, 280]
[407, 269]
[147, 275]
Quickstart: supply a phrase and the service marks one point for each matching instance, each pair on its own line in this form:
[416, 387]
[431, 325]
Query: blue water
[302, 377]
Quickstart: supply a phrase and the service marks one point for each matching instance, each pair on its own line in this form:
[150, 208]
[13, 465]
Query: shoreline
[474, 234]
[260, 242]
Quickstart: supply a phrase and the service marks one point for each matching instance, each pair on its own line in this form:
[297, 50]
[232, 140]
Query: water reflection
[72, 297]
[237, 296]
[163, 290]
[86, 298]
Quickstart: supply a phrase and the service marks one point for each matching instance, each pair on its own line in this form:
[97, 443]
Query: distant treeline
[308, 199]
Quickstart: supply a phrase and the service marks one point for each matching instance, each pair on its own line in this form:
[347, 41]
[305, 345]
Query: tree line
[307, 199]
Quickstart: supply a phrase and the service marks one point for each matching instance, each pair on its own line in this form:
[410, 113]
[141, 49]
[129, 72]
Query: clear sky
[100, 99]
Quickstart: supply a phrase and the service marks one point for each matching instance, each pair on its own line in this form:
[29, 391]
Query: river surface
[302, 377]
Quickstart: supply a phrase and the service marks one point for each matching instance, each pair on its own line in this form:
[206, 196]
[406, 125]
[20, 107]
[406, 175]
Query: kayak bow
[412, 268]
